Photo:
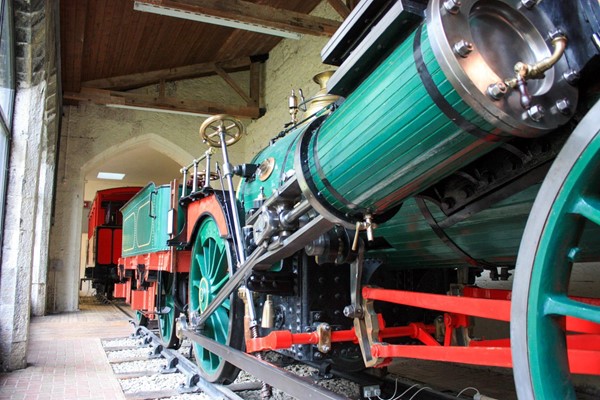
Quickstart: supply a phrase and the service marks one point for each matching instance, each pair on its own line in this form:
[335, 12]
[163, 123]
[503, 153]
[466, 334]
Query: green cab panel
[145, 221]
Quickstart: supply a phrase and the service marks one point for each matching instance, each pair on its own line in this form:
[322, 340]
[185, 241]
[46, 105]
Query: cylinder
[425, 112]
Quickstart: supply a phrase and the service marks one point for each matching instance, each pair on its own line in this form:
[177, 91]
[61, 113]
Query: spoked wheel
[210, 270]
[167, 311]
[568, 202]
[231, 127]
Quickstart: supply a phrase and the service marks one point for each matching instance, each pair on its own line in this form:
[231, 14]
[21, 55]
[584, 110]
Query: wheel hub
[204, 294]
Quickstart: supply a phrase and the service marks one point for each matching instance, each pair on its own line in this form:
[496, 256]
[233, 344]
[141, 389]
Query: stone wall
[30, 178]
[291, 65]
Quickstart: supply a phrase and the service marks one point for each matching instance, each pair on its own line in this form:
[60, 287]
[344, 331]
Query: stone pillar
[30, 180]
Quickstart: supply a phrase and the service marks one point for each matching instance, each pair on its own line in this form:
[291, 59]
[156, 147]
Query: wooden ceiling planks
[107, 41]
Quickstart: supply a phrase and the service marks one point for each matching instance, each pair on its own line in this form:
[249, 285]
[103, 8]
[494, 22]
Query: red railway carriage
[104, 237]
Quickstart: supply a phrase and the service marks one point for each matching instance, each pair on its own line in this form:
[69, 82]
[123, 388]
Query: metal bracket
[324, 332]
[366, 323]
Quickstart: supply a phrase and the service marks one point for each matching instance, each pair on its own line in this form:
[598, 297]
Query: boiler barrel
[424, 113]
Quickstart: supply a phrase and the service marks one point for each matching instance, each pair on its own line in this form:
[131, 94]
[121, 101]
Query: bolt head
[463, 48]
[452, 6]
[536, 112]
[555, 34]
[564, 106]
[571, 76]
[528, 3]
[349, 311]
[497, 90]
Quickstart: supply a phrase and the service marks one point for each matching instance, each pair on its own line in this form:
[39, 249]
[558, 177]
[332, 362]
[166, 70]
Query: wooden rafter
[255, 77]
[109, 97]
[340, 7]
[233, 84]
[79, 35]
[251, 13]
[132, 81]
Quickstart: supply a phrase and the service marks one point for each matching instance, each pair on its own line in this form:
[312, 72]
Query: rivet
[453, 6]
[463, 48]
[536, 112]
[497, 90]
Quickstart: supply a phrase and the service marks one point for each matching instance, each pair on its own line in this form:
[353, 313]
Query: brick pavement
[65, 357]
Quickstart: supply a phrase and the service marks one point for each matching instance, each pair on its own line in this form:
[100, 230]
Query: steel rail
[186, 367]
[286, 381]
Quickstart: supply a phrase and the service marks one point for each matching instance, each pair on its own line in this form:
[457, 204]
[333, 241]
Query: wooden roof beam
[156, 103]
[132, 81]
[340, 7]
[252, 14]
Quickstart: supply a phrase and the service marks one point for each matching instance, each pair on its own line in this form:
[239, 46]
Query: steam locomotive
[455, 137]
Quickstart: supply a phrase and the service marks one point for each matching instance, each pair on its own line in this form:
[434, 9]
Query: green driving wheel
[567, 205]
[210, 270]
[165, 303]
[141, 319]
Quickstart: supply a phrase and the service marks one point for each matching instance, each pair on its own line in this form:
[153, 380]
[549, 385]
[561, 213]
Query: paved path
[65, 357]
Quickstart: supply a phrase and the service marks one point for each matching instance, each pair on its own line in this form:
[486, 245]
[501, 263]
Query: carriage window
[7, 97]
[6, 67]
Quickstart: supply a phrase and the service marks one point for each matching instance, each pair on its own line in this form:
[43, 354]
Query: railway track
[146, 370]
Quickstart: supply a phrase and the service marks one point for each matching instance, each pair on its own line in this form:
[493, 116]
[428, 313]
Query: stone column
[30, 180]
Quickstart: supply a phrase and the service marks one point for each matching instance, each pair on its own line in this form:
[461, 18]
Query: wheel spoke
[196, 283]
[226, 304]
[213, 266]
[219, 269]
[218, 285]
[588, 208]
[562, 305]
[200, 261]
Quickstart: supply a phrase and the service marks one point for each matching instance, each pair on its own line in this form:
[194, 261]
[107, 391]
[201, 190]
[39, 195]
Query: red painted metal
[128, 291]
[144, 300]
[206, 206]
[573, 324]
[583, 349]
[159, 261]
[580, 361]
[490, 356]
[574, 342]
[482, 293]
[120, 290]
[285, 339]
[97, 216]
[484, 308]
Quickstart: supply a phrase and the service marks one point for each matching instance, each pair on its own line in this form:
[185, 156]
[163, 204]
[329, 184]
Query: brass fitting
[366, 225]
[536, 71]
[268, 313]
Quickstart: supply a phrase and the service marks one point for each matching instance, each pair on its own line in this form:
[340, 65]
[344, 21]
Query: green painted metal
[575, 210]
[145, 219]
[492, 235]
[389, 140]
[168, 312]
[211, 257]
[141, 319]
[283, 153]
